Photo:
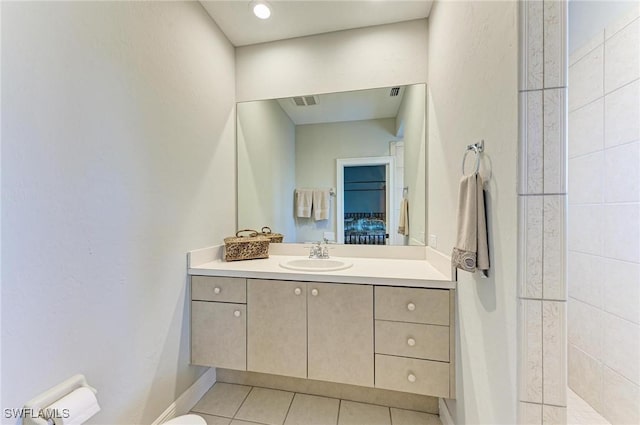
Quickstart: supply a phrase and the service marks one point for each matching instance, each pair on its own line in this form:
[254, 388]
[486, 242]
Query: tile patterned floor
[579, 412]
[231, 404]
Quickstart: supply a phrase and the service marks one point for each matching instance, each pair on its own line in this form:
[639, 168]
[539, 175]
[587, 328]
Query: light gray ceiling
[291, 18]
[346, 106]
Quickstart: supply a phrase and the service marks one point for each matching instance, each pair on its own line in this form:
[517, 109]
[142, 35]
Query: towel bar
[477, 148]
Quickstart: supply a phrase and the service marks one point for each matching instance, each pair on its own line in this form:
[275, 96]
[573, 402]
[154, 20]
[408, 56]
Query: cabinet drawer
[429, 342]
[223, 289]
[412, 375]
[429, 306]
[219, 335]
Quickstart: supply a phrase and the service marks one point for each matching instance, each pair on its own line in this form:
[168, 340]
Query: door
[277, 327]
[218, 335]
[364, 200]
[340, 323]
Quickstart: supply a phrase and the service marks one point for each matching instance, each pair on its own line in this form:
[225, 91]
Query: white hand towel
[304, 198]
[321, 204]
[471, 252]
[403, 224]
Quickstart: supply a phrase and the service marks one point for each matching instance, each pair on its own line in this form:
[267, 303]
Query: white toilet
[187, 420]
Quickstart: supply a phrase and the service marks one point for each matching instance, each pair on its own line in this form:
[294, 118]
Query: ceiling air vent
[394, 91]
[305, 100]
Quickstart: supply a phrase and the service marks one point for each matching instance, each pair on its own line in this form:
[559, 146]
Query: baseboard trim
[189, 398]
[445, 415]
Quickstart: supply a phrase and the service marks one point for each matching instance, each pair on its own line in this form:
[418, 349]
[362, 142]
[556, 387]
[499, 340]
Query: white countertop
[373, 271]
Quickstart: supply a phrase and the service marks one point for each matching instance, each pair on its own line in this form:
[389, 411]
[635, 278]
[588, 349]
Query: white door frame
[389, 161]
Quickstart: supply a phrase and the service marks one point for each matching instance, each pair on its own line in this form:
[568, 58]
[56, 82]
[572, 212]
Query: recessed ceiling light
[261, 9]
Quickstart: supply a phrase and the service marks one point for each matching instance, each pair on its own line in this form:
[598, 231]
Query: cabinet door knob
[297, 291]
[236, 313]
[411, 377]
[314, 292]
[411, 342]
[216, 290]
[411, 306]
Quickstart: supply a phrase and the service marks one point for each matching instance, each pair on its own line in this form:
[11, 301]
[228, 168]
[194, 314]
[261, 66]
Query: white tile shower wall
[604, 221]
[542, 190]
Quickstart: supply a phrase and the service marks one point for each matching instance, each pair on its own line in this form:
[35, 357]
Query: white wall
[266, 153]
[587, 17]
[412, 120]
[117, 158]
[472, 90]
[317, 148]
[604, 216]
[380, 56]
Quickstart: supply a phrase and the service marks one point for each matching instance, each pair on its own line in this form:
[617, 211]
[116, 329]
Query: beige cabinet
[218, 334]
[219, 289]
[413, 305]
[412, 375]
[325, 332]
[430, 342]
[414, 343]
[277, 327]
[340, 326]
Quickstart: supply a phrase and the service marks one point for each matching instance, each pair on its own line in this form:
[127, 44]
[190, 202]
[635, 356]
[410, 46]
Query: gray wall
[117, 159]
[587, 17]
[472, 92]
[266, 168]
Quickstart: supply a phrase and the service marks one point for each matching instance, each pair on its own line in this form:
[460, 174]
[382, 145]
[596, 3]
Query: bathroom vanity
[383, 323]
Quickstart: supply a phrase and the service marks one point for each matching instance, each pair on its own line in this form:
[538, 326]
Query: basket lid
[266, 231]
[253, 236]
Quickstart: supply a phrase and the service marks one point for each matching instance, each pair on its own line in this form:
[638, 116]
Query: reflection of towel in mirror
[321, 204]
[471, 252]
[403, 223]
[303, 202]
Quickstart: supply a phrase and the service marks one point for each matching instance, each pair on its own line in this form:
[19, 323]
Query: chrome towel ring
[476, 148]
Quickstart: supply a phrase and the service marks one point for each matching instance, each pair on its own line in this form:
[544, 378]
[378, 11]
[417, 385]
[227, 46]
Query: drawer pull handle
[314, 292]
[411, 342]
[297, 291]
[411, 306]
[411, 378]
[236, 313]
[216, 290]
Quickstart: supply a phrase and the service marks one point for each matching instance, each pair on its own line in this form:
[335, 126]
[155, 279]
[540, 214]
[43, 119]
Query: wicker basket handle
[267, 231]
[251, 235]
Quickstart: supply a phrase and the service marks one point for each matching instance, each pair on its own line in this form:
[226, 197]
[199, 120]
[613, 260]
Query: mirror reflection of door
[365, 205]
[364, 199]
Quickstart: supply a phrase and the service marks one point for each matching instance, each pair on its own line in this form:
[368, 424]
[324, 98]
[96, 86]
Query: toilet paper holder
[35, 409]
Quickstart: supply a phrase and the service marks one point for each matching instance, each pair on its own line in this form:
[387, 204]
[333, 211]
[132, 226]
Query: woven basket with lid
[249, 247]
[273, 237]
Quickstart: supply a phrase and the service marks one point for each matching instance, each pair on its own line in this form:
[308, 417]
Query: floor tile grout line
[289, 408]
[251, 422]
[340, 400]
[345, 399]
[243, 401]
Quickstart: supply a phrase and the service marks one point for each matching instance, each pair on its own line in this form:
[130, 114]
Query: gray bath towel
[471, 252]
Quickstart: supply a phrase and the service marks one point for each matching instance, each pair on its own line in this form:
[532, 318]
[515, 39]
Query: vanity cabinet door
[340, 326]
[218, 335]
[277, 327]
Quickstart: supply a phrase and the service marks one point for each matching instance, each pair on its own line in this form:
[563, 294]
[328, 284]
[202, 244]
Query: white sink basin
[315, 265]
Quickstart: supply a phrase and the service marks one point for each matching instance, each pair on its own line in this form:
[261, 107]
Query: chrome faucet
[318, 251]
